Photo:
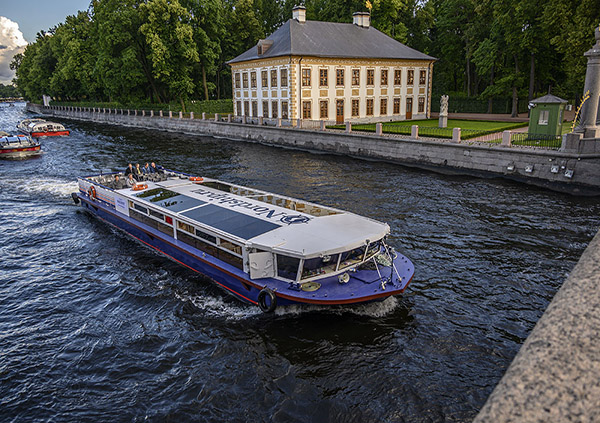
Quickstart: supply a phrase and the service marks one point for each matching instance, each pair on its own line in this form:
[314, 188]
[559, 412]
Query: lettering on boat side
[225, 199]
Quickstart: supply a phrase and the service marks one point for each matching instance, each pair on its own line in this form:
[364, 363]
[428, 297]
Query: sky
[21, 20]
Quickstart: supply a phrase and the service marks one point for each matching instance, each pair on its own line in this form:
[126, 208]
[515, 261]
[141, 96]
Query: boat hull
[50, 134]
[20, 152]
[237, 282]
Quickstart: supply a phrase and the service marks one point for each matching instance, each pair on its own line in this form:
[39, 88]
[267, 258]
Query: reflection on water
[94, 326]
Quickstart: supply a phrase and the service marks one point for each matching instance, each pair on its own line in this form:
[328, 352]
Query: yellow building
[332, 71]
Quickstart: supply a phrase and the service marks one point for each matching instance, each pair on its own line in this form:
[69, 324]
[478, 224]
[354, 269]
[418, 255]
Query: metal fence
[536, 140]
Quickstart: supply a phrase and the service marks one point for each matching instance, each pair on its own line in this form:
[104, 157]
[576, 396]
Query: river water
[96, 327]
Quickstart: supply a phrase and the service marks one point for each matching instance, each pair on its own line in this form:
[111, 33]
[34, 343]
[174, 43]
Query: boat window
[373, 249]
[319, 266]
[140, 208]
[218, 185]
[287, 267]
[352, 257]
[185, 227]
[226, 256]
[206, 236]
[237, 249]
[156, 214]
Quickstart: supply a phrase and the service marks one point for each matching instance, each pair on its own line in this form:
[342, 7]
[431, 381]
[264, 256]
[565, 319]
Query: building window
[339, 77]
[421, 106]
[245, 79]
[369, 107]
[370, 76]
[323, 77]
[274, 109]
[354, 107]
[237, 80]
[255, 109]
[246, 108]
[355, 76]
[238, 111]
[264, 78]
[253, 80]
[422, 76]
[306, 77]
[274, 78]
[544, 114]
[265, 109]
[383, 107]
[324, 105]
[397, 106]
[410, 79]
[283, 76]
[306, 110]
[398, 77]
[284, 109]
[384, 77]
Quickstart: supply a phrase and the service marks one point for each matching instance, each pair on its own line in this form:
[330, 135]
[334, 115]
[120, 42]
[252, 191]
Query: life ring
[92, 192]
[196, 179]
[271, 304]
[139, 187]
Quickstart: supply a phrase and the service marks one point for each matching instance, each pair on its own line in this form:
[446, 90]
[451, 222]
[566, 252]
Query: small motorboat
[264, 248]
[18, 146]
[42, 128]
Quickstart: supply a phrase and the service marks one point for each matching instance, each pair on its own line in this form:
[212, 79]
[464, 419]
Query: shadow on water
[94, 326]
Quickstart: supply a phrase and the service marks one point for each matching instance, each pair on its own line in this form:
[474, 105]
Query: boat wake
[55, 187]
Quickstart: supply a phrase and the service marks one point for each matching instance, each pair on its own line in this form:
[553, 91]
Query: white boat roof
[245, 215]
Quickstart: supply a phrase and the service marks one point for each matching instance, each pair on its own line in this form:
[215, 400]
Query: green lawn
[429, 127]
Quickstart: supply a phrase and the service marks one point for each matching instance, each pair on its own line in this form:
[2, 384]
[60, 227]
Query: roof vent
[299, 13]
[362, 19]
[263, 46]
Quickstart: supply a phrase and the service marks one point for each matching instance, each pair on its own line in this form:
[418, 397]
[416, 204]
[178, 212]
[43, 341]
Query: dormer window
[263, 46]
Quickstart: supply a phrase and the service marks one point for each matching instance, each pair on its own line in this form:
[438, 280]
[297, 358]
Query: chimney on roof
[362, 19]
[299, 13]
[263, 45]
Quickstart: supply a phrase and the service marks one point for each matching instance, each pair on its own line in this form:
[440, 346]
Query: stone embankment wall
[574, 173]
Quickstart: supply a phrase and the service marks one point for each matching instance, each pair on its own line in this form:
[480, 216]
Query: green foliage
[169, 51]
[9, 91]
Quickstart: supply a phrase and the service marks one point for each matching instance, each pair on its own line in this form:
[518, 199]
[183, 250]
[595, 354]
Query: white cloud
[11, 43]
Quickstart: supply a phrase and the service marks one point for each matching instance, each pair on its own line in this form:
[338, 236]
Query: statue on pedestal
[443, 122]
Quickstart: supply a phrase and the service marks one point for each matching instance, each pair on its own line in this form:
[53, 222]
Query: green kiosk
[546, 117]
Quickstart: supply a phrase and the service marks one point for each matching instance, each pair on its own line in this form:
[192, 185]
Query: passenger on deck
[130, 180]
[137, 172]
[146, 169]
[129, 169]
[154, 168]
[118, 183]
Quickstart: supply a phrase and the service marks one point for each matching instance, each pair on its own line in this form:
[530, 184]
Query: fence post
[135, 112]
[414, 131]
[455, 134]
[506, 139]
[229, 117]
[170, 114]
[192, 115]
[279, 122]
[143, 113]
[180, 115]
[322, 125]
[151, 113]
[217, 117]
[348, 127]
[260, 120]
[378, 128]
[298, 123]
[244, 119]
[203, 115]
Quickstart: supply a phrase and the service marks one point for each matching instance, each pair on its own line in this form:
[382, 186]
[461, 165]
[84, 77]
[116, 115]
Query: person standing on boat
[118, 183]
[130, 182]
[129, 169]
[137, 172]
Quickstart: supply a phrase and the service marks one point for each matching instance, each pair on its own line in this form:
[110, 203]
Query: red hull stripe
[16, 150]
[49, 134]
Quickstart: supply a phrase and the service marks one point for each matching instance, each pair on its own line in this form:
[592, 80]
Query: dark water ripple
[95, 327]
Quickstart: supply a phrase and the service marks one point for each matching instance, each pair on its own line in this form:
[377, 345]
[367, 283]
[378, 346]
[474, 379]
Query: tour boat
[266, 249]
[18, 146]
[42, 128]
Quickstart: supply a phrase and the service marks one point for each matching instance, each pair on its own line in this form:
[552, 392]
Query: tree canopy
[175, 50]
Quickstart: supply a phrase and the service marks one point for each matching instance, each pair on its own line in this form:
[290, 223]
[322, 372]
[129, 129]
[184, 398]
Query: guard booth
[546, 115]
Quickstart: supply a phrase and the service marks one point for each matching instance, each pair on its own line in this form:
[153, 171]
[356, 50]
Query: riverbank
[564, 171]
